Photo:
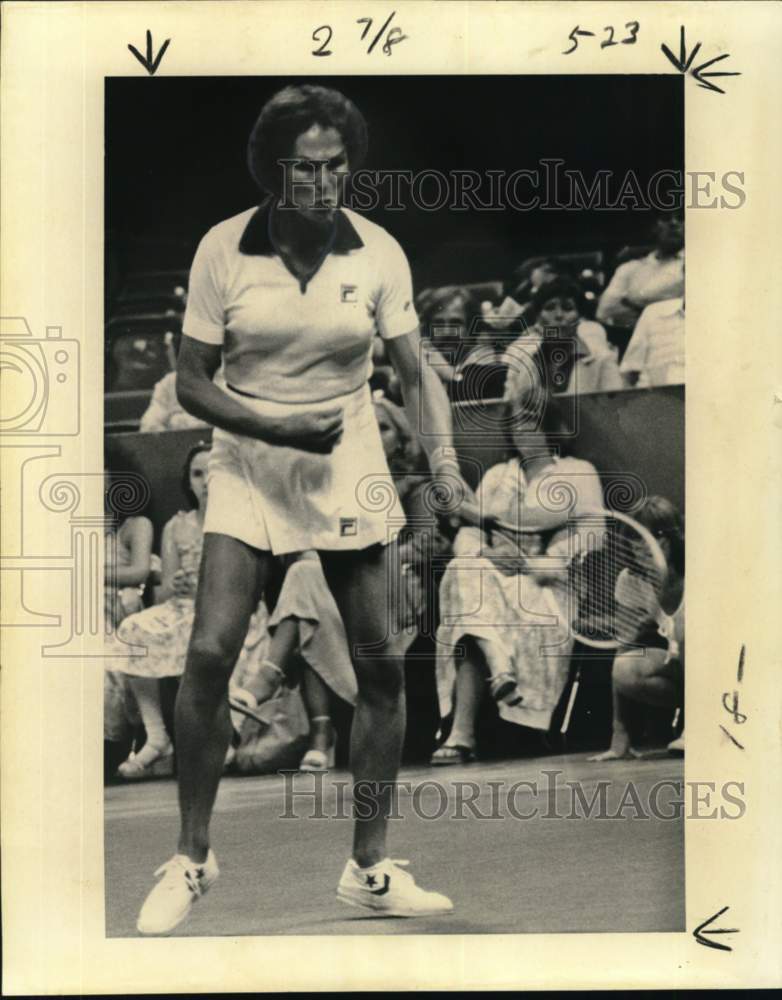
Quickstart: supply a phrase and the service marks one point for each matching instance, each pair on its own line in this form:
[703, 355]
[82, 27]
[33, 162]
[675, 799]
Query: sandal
[320, 760]
[247, 704]
[503, 688]
[630, 754]
[149, 762]
[452, 754]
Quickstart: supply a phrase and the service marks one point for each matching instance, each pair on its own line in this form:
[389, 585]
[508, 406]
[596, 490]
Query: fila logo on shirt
[348, 527]
[348, 293]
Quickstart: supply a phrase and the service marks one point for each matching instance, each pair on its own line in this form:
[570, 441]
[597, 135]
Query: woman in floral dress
[503, 619]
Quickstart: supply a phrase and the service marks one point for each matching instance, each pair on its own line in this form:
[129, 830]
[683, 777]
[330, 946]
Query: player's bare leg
[231, 582]
[361, 584]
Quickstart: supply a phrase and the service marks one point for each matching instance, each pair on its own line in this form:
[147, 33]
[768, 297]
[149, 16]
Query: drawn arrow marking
[150, 64]
[683, 62]
[700, 930]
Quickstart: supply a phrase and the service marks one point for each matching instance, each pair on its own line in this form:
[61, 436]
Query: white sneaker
[184, 881]
[389, 891]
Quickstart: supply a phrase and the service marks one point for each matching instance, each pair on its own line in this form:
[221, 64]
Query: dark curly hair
[664, 520]
[559, 288]
[288, 114]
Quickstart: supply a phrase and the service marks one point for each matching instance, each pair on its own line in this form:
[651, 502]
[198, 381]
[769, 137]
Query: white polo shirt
[656, 348]
[293, 341]
[650, 279]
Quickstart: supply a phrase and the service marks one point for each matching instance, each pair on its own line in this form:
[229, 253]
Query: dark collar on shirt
[256, 238]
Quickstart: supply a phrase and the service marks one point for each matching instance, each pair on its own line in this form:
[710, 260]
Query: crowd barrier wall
[634, 438]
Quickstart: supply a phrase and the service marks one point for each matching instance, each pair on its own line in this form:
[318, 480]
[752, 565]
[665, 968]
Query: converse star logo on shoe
[383, 889]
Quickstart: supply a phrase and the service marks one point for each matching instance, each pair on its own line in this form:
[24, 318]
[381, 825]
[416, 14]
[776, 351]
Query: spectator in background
[163, 630]
[461, 345]
[571, 354]
[308, 646]
[638, 283]
[507, 609]
[445, 315]
[526, 280]
[652, 671]
[164, 412]
[655, 354]
[509, 314]
[128, 561]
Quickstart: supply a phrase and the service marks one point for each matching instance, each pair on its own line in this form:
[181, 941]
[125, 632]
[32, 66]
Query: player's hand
[318, 432]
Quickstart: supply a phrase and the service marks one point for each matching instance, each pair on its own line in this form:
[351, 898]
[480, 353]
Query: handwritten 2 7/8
[394, 36]
[633, 27]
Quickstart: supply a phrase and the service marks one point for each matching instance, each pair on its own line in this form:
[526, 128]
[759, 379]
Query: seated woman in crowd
[163, 630]
[571, 354]
[522, 285]
[127, 567]
[651, 670]
[507, 611]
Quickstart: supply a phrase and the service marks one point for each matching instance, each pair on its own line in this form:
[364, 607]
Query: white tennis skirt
[282, 499]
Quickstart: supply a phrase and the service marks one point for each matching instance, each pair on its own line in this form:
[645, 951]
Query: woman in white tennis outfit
[288, 297]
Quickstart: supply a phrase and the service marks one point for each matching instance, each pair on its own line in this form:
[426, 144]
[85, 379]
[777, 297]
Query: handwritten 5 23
[632, 28]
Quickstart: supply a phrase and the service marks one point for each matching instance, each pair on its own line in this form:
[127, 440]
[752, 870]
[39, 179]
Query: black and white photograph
[356, 406]
[398, 366]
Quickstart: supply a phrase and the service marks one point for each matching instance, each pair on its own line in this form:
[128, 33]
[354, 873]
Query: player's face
[314, 184]
[198, 476]
[559, 312]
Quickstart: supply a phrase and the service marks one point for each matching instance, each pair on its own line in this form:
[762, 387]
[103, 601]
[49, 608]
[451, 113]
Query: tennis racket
[610, 572]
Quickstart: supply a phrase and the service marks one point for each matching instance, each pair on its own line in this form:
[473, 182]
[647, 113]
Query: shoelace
[173, 868]
[400, 864]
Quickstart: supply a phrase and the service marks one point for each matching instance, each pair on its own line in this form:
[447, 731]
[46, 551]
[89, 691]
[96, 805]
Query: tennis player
[288, 296]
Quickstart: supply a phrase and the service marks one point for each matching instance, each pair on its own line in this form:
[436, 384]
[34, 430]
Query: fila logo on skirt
[348, 293]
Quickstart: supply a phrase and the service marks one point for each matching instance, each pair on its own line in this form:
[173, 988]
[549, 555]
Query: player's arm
[197, 394]
[199, 357]
[427, 408]
[426, 403]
